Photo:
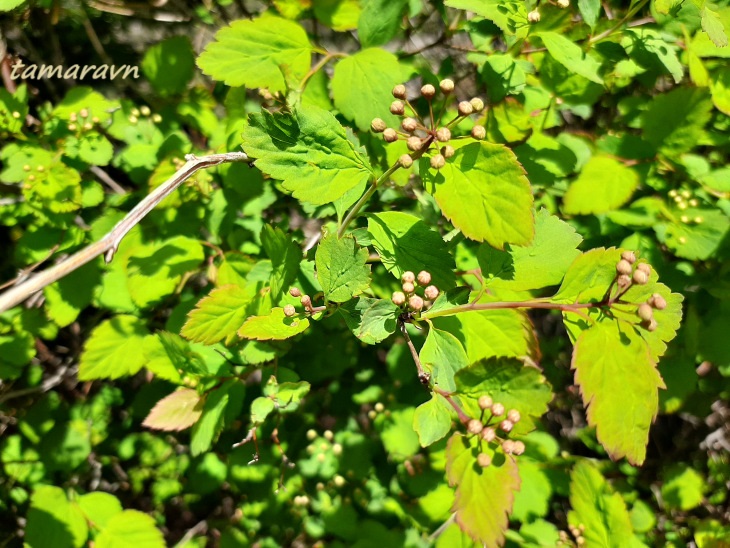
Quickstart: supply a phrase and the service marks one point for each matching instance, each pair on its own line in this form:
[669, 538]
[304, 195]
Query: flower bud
[640, 277]
[446, 85]
[652, 325]
[145, 110]
[431, 292]
[399, 91]
[415, 303]
[295, 292]
[156, 118]
[443, 134]
[289, 311]
[84, 113]
[644, 267]
[397, 108]
[629, 257]
[533, 16]
[306, 301]
[518, 448]
[378, 125]
[645, 312]
[16, 114]
[26, 167]
[563, 3]
[506, 425]
[390, 135]
[475, 426]
[311, 434]
[465, 108]
[398, 298]
[698, 220]
[438, 161]
[413, 143]
[72, 127]
[489, 434]
[424, 277]
[428, 91]
[485, 402]
[448, 151]
[514, 416]
[477, 104]
[508, 446]
[478, 132]
[658, 302]
[408, 287]
[73, 117]
[88, 126]
[623, 267]
[484, 460]
[623, 281]
[497, 409]
[408, 276]
[409, 124]
[405, 161]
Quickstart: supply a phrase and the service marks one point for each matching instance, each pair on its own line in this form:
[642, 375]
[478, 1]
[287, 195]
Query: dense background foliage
[618, 112]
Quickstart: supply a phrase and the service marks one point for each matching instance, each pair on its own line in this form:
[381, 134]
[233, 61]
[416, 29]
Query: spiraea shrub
[407, 273]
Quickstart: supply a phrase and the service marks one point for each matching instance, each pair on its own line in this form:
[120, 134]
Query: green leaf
[602, 512]
[286, 395]
[603, 185]
[261, 408]
[542, 263]
[619, 383]
[571, 56]
[95, 149]
[218, 315]
[83, 97]
[483, 191]
[695, 240]
[503, 76]
[590, 10]
[276, 326]
[339, 15]
[488, 333]
[11, 103]
[404, 242]
[341, 268]
[99, 507]
[508, 382]
[442, 355]
[53, 521]
[648, 48]
[7, 5]
[674, 122]
[590, 276]
[178, 411]
[720, 89]
[114, 349]
[447, 301]
[169, 65]
[285, 256]
[397, 434]
[130, 528]
[308, 150]
[380, 21]
[713, 26]
[509, 15]
[262, 52]
[210, 423]
[484, 496]
[66, 298]
[432, 420]
[370, 320]
[362, 85]
[683, 488]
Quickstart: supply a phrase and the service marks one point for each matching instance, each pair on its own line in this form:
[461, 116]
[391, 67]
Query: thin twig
[54, 380]
[199, 528]
[108, 244]
[107, 180]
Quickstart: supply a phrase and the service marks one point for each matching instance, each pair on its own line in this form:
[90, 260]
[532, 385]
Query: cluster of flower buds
[143, 112]
[645, 311]
[578, 534]
[82, 121]
[684, 199]
[630, 272]
[306, 300]
[419, 135]
[410, 282]
[496, 422]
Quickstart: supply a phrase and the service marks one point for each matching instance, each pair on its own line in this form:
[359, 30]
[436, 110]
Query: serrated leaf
[178, 411]
[380, 21]
[404, 242]
[674, 122]
[308, 150]
[432, 420]
[683, 488]
[712, 24]
[210, 423]
[114, 349]
[571, 56]
[602, 512]
[542, 263]
[276, 326]
[603, 185]
[590, 276]
[370, 320]
[508, 382]
[442, 355]
[484, 496]
[218, 315]
[509, 15]
[130, 528]
[648, 48]
[99, 507]
[590, 10]
[361, 86]
[285, 256]
[341, 268]
[483, 191]
[95, 149]
[619, 383]
[53, 521]
[339, 15]
[258, 53]
[261, 408]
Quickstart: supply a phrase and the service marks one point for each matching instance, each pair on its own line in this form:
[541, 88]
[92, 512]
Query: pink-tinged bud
[508, 446]
[446, 85]
[397, 108]
[497, 409]
[645, 312]
[399, 91]
[475, 426]
[629, 256]
[624, 267]
[405, 161]
[518, 448]
[658, 302]
[390, 135]
[295, 292]
[431, 292]
[415, 303]
[652, 325]
[408, 276]
[485, 402]
[506, 425]
[443, 134]
[465, 108]
[623, 281]
[289, 311]
[408, 287]
[378, 125]
[484, 460]
[489, 434]
[438, 161]
[413, 143]
[644, 267]
[398, 298]
[478, 132]
[448, 151]
[428, 91]
[409, 124]
[424, 277]
[306, 301]
[640, 277]
[514, 416]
